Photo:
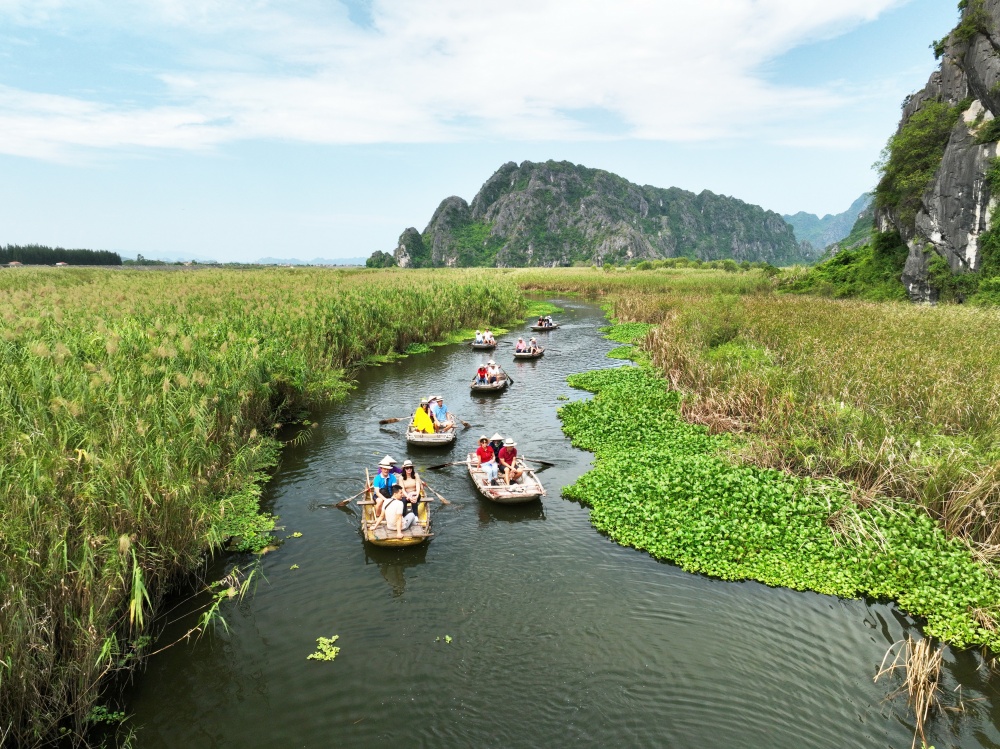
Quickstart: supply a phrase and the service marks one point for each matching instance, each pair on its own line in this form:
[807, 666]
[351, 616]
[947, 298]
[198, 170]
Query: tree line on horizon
[36, 254]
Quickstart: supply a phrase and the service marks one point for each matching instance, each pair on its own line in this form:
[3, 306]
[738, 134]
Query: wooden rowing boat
[490, 387]
[438, 439]
[417, 533]
[528, 355]
[483, 346]
[543, 328]
[526, 489]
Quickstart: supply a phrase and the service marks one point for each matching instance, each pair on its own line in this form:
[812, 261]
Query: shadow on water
[503, 632]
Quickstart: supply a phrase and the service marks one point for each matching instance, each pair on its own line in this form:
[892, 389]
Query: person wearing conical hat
[533, 347]
[479, 337]
[384, 481]
[507, 458]
[496, 442]
[422, 419]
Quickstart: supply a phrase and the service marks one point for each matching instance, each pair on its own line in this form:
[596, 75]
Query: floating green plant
[325, 650]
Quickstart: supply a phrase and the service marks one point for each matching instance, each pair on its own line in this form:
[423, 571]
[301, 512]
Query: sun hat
[387, 462]
[483, 437]
[407, 463]
[509, 442]
[496, 436]
[424, 401]
[437, 398]
[491, 362]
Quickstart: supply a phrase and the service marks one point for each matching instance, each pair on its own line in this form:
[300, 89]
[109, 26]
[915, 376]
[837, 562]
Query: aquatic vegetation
[325, 650]
[663, 485]
[138, 414]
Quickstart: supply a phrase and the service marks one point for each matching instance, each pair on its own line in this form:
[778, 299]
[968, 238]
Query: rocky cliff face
[557, 213]
[955, 208]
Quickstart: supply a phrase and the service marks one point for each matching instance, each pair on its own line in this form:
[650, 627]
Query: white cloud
[432, 71]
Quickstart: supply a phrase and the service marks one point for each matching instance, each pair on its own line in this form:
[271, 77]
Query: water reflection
[491, 512]
[393, 563]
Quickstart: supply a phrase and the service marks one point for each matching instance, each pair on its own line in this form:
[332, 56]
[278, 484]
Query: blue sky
[237, 129]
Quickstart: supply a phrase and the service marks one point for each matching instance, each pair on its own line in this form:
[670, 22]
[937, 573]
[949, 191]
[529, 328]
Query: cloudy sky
[236, 129]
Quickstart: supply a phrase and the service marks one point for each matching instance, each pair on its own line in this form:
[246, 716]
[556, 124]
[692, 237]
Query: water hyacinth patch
[662, 485]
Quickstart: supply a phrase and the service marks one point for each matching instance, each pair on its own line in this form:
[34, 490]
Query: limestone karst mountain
[558, 213]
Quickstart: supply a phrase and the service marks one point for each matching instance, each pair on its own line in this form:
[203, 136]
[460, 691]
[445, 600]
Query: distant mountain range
[558, 213]
[177, 257]
[822, 232]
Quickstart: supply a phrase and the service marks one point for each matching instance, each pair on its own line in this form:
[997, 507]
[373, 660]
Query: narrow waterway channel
[558, 637]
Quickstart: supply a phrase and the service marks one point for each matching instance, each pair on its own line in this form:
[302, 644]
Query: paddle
[509, 378]
[541, 462]
[391, 421]
[343, 502]
[443, 500]
[445, 465]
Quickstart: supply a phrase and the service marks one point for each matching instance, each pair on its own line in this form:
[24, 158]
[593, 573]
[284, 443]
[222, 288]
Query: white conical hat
[387, 461]
[496, 436]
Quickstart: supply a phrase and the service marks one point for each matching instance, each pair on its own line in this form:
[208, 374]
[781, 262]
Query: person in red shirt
[508, 461]
[487, 459]
[481, 374]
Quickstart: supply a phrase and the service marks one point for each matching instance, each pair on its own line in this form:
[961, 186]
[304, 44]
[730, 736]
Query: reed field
[610, 280]
[137, 419]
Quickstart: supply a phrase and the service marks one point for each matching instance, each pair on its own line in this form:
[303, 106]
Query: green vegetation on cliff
[557, 213]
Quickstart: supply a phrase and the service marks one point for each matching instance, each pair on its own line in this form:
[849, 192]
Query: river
[559, 637]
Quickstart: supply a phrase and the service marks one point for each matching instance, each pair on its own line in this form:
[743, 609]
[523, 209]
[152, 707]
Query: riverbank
[665, 486]
[138, 419]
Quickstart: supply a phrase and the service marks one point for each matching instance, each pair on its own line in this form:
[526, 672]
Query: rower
[492, 371]
[508, 461]
[533, 347]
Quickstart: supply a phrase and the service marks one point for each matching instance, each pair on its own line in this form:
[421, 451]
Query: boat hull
[525, 355]
[382, 536]
[497, 387]
[543, 328]
[529, 488]
[483, 346]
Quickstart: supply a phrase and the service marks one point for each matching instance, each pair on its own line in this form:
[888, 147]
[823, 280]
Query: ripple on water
[559, 637]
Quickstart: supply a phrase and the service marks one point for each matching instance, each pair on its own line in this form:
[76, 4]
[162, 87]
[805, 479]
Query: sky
[239, 129]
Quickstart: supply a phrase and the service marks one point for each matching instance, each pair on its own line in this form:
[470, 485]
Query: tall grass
[904, 401]
[611, 280]
[136, 409]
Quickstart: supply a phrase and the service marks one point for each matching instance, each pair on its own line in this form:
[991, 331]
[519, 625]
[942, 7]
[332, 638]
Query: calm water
[559, 637]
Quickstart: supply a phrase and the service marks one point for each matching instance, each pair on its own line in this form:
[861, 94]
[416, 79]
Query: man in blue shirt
[440, 411]
[384, 481]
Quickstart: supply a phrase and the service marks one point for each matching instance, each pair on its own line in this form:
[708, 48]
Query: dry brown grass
[921, 663]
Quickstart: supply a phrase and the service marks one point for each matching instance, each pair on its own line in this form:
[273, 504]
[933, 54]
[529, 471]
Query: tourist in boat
[422, 419]
[410, 481]
[541, 321]
[508, 461]
[492, 371]
[481, 374]
[533, 346]
[548, 321]
[479, 338]
[384, 480]
[496, 442]
[520, 347]
[394, 513]
[488, 338]
[487, 459]
[439, 412]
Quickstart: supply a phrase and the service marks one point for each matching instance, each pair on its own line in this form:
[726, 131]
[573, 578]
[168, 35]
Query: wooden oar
[443, 500]
[391, 421]
[439, 466]
[541, 462]
[345, 501]
[509, 378]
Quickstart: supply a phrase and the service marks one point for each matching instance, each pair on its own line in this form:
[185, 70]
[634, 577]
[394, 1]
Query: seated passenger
[479, 337]
[384, 481]
[439, 412]
[520, 347]
[422, 419]
[487, 459]
[548, 321]
[508, 461]
[410, 481]
[488, 338]
[541, 321]
[533, 347]
[492, 371]
[395, 514]
[481, 374]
